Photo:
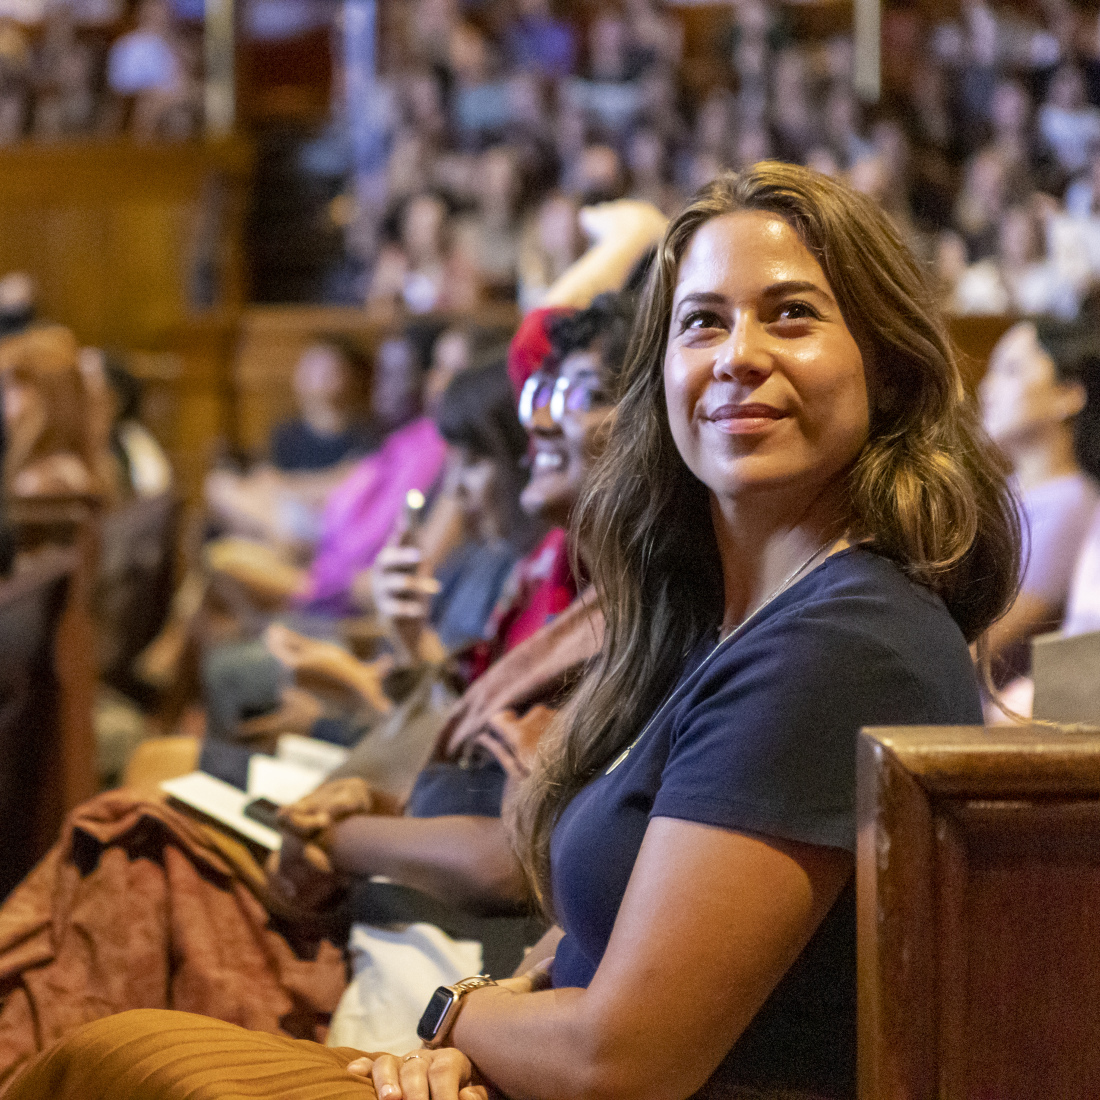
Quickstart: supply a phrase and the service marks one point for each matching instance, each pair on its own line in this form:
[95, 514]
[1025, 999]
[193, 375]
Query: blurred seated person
[1034, 393]
[146, 469]
[427, 616]
[1024, 278]
[140, 466]
[18, 303]
[330, 427]
[309, 455]
[488, 238]
[52, 442]
[551, 241]
[64, 79]
[358, 506]
[419, 269]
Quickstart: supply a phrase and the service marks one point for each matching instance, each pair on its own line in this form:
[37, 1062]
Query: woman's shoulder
[857, 616]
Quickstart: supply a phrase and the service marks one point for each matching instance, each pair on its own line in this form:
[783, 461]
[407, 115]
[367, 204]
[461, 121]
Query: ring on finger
[413, 1056]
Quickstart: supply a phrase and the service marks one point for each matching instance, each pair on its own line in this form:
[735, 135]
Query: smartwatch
[442, 1011]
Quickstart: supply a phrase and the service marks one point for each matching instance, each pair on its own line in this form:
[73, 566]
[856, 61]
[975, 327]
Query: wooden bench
[978, 881]
[40, 525]
[32, 606]
[134, 583]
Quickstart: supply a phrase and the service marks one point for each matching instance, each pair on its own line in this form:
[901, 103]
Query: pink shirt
[361, 511]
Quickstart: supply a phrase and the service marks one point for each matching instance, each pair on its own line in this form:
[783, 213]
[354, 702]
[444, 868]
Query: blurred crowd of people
[79, 68]
[507, 117]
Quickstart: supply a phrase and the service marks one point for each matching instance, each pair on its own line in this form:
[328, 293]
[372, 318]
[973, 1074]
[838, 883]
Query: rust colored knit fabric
[141, 906]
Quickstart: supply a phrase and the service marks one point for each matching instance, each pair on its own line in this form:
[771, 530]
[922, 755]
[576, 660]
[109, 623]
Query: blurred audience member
[1067, 122]
[536, 41]
[150, 66]
[420, 269]
[64, 74]
[18, 303]
[51, 440]
[1031, 396]
[330, 428]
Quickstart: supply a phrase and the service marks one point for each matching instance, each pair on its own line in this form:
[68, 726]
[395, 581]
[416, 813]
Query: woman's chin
[550, 497]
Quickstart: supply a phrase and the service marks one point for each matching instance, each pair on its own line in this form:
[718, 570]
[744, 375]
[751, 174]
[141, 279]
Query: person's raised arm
[621, 233]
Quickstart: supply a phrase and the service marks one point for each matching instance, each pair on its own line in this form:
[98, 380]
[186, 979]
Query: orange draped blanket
[175, 916]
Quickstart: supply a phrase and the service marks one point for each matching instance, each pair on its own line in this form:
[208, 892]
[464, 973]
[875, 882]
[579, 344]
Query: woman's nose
[745, 355]
[542, 423]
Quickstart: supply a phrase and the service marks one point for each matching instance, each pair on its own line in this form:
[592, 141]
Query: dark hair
[1074, 349]
[928, 490]
[604, 327]
[478, 411]
[353, 354]
[126, 385]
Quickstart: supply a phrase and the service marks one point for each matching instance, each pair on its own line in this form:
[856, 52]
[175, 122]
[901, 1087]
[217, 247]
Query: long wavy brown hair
[928, 490]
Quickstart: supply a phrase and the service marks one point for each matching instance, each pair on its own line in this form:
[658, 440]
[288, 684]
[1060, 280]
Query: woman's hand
[297, 712]
[444, 1074]
[326, 807]
[329, 663]
[403, 595]
[622, 217]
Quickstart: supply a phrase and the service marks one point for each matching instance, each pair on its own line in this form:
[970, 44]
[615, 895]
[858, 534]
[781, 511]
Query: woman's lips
[745, 419]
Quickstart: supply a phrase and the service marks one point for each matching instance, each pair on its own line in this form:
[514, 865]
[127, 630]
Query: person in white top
[1031, 396]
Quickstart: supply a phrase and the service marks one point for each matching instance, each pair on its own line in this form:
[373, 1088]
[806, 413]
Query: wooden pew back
[31, 609]
[134, 583]
[69, 522]
[978, 881]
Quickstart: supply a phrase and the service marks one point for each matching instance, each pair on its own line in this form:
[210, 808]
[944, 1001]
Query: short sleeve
[767, 741]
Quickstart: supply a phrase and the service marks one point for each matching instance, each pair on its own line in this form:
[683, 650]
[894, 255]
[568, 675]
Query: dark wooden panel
[978, 876]
[31, 608]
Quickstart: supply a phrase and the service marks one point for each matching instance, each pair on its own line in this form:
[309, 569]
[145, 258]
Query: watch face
[435, 1013]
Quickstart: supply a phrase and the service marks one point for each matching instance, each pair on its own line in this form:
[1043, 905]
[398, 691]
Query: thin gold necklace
[723, 635]
[723, 640]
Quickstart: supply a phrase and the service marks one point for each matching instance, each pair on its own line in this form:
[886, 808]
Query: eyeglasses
[561, 395]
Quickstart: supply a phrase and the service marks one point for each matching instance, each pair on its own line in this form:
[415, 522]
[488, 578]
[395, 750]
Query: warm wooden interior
[979, 913]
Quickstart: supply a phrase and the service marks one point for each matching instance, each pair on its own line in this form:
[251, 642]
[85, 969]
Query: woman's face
[566, 444]
[1020, 395]
[321, 376]
[764, 382]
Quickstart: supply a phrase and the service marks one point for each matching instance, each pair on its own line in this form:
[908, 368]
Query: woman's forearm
[546, 1046]
[457, 859]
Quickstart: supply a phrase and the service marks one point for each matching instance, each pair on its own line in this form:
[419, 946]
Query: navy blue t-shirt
[760, 736]
[296, 447]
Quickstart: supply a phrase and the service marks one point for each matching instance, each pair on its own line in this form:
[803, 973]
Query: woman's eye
[797, 311]
[701, 319]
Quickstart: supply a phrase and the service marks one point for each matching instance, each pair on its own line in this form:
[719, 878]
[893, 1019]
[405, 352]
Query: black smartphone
[264, 811]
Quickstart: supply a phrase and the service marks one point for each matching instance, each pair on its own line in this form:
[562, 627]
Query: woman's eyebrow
[795, 286]
[701, 298]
